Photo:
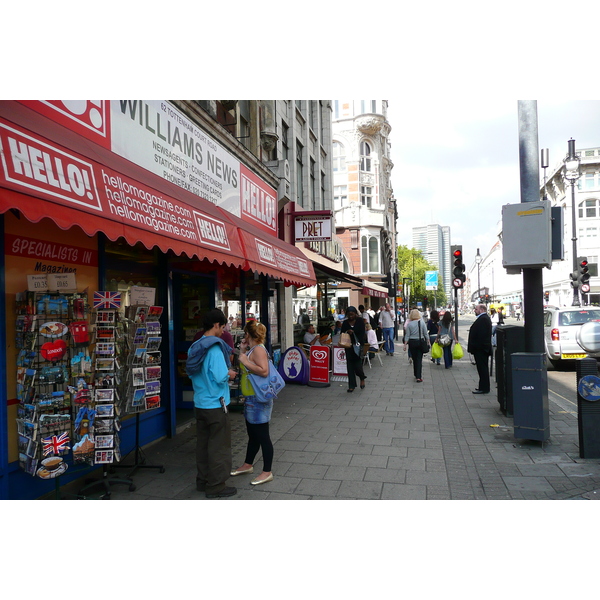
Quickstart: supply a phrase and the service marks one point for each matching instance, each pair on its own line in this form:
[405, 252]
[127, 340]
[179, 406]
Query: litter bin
[530, 396]
[509, 339]
[588, 407]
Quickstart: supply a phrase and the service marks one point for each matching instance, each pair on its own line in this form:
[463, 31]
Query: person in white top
[386, 322]
[371, 340]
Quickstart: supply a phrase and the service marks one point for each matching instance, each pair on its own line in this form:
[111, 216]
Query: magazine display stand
[53, 352]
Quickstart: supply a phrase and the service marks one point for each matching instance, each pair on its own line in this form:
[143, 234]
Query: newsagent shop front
[102, 300]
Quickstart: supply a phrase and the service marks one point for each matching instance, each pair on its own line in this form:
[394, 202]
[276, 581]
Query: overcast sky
[456, 160]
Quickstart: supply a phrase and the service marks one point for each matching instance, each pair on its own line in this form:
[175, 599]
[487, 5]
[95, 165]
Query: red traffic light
[457, 254]
[583, 263]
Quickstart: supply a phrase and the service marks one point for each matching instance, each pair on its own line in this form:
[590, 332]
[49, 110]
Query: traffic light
[546, 297]
[583, 276]
[389, 284]
[487, 298]
[425, 301]
[459, 268]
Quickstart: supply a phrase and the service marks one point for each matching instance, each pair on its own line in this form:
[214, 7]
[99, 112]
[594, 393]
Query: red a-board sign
[319, 365]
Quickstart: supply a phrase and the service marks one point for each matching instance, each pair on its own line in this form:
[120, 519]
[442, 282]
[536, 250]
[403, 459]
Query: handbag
[345, 340]
[457, 351]
[267, 388]
[445, 340]
[424, 344]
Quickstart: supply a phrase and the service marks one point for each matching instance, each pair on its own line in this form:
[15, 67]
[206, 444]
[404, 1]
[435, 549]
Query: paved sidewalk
[395, 440]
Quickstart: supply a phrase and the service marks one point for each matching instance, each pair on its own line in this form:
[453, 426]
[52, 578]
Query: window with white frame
[339, 157]
[369, 246]
[365, 156]
[340, 196]
[368, 106]
[366, 195]
[588, 209]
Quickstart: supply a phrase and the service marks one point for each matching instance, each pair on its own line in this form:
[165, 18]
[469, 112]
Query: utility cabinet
[530, 396]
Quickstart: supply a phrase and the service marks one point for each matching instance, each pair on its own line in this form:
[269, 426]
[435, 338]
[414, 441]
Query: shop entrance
[193, 295]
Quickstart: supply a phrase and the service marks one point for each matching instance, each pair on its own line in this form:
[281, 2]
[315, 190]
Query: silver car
[560, 331]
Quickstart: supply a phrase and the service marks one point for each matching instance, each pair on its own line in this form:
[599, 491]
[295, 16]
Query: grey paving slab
[397, 440]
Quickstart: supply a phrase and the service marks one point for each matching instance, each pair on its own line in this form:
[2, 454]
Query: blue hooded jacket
[198, 350]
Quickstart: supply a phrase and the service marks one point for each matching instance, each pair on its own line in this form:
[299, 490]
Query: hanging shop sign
[156, 136]
[313, 227]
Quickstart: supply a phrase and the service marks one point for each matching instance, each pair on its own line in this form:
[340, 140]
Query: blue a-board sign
[293, 366]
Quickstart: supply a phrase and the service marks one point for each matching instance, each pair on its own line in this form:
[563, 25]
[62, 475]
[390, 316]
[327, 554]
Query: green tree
[412, 264]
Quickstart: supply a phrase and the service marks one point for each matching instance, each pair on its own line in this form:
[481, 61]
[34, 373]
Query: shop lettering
[34, 163]
[265, 252]
[42, 268]
[215, 233]
[257, 203]
[47, 250]
[152, 121]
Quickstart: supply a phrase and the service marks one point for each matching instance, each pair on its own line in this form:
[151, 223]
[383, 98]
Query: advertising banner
[156, 136]
[339, 362]
[319, 366]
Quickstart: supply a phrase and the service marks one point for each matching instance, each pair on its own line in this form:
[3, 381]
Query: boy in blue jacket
[209, 367]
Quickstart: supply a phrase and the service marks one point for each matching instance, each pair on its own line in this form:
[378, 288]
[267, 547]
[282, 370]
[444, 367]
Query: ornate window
[369, 246]
[365, 156]
[588, 209]
[366, 195]
[339, 157]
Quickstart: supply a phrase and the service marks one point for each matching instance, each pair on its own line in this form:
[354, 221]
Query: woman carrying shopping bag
[417, 340]
[446, 337]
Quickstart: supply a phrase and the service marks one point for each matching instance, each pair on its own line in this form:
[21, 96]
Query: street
[562, 380]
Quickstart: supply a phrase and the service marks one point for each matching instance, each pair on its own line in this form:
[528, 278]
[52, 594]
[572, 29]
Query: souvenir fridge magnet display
[52, 467]
[54, 351]
[53, 329]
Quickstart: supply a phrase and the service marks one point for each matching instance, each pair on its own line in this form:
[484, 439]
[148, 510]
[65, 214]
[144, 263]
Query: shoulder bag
[422, 341]
[266, 388]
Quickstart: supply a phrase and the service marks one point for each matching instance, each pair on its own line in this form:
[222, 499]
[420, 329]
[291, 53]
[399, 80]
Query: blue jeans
[388, 336]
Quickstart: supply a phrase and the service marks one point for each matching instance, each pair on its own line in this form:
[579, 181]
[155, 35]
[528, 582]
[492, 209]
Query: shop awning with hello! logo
[49, 171]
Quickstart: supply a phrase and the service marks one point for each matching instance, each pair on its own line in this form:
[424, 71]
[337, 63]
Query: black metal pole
[533, 288]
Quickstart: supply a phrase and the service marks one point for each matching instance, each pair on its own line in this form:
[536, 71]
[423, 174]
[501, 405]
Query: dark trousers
[417, 357]
[354, 366]
[213, 448]
[482, 361]
[259, 438]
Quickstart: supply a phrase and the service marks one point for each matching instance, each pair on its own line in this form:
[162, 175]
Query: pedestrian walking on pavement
[355, 327]
[480, 346]
[433, 328]
[208, 366]
[386, 322]
[255, 359]
[446, 327]
[414, 332]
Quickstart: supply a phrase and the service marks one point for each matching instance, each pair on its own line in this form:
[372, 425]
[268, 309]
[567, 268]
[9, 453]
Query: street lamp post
[572, 174]
[478, 260]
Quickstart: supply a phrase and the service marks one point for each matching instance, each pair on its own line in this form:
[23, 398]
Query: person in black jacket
[480, 346]
[355, 327]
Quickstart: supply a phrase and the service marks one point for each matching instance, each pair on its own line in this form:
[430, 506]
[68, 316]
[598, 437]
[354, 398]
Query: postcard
[139, 396]
[105, 364]
[105, 348]
[153, 358]
[104, 441]
[103, 457]
[105, 395]
[152, 387]
[137, 376]
[152, 402]
[105, 316]
[153, 373]
[105, 410]
[153, 343]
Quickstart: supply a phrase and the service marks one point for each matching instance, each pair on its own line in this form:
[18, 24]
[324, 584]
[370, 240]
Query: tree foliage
[412, 264]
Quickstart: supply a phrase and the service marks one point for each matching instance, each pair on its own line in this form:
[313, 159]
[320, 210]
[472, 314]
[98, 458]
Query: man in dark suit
[480, 346]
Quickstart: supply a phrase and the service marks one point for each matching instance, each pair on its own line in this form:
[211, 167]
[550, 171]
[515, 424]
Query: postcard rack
[142, 375]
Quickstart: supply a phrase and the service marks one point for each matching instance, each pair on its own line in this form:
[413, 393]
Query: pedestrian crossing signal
[459, 267]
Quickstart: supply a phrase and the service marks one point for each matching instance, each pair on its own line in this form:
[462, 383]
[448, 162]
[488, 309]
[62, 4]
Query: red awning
[48, 171]
[374, 290]
[275, 257]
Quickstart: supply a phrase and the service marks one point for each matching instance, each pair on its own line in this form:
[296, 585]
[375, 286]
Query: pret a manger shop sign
[313, 228]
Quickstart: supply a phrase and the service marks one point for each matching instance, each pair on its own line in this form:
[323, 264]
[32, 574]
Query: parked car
[560, 331]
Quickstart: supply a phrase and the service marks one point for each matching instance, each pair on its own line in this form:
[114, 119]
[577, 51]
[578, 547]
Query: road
[562, 381]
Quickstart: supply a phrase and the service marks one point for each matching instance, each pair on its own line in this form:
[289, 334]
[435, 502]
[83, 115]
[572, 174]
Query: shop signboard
[156, 136]
[293, 366]
[319, 366]
[339, 362]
